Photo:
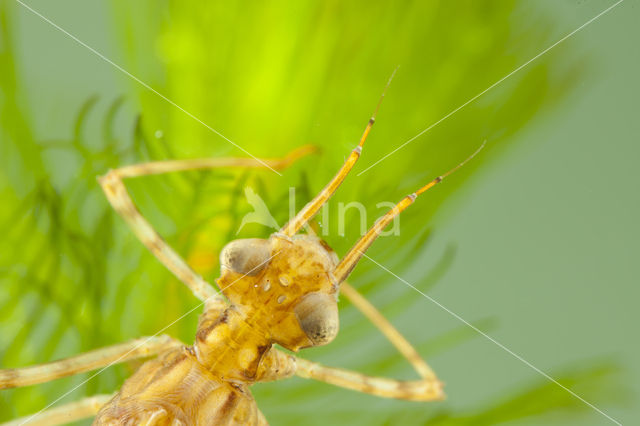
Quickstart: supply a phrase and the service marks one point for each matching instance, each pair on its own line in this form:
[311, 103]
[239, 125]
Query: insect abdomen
[175, 389]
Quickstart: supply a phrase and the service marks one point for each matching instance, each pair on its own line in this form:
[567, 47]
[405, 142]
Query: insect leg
[64, 414]
[390, 332]
[350, 260]
[170, 166]
[92, 360]
[314, 205]
[416, 390]
[116, 192]
[276, 365]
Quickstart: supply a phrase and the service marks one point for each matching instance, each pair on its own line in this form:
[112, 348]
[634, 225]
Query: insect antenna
[349, 261]
[316, 204]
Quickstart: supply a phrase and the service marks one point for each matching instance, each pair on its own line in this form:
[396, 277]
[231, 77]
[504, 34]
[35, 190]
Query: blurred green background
[535, 242]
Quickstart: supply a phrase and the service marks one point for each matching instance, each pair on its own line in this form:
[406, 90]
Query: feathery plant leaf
[271, 79]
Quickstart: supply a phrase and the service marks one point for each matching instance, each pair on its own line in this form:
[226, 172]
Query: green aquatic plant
[270, 78]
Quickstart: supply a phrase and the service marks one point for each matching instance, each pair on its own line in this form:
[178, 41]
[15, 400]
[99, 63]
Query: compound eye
[317, 314]
[248, 256]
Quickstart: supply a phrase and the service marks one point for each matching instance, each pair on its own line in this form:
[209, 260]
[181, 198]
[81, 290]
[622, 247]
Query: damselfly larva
[281, 290]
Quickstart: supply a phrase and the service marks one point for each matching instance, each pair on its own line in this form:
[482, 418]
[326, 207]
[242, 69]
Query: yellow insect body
[281, 290]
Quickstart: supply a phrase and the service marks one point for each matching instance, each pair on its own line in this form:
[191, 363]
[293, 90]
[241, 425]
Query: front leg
[411, 390]
[391, 333]
[113, 186]
[276, 365]
[119, 198]
[279, 365]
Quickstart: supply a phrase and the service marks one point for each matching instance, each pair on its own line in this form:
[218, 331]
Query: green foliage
[270, 76]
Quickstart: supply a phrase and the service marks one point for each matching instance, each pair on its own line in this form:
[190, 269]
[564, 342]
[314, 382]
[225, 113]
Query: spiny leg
[350, 260]
[92, 360]
[308, 211]
[116, 192]
[390, 332]
[416, 390]
[64, 414]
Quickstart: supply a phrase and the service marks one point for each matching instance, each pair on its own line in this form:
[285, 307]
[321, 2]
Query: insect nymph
[281, 290]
